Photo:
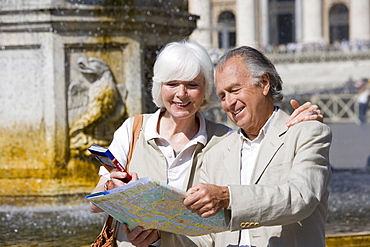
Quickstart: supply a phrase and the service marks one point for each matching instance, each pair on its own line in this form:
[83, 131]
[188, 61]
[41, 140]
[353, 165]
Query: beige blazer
[287, 204]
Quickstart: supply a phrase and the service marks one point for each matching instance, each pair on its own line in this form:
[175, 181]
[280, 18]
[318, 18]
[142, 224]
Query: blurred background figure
[362, 100]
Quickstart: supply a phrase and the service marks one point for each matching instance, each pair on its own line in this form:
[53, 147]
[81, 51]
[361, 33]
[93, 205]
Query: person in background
[270, 180]
[173, 140]
[362, 100]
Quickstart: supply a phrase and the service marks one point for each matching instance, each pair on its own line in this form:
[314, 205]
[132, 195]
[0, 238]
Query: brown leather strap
[109, 220]
[138, 122]
[107, 236]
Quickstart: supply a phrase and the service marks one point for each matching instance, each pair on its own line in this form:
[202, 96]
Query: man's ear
[265, 83]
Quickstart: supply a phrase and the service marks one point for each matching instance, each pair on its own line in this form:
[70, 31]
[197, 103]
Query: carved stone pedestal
[71, 71]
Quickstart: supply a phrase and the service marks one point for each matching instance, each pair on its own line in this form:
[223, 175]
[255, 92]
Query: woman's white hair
[183, 61]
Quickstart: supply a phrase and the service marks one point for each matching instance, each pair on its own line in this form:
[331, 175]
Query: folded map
[155, 205]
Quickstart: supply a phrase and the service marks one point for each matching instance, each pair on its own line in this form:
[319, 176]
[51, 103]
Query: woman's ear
[265, 83]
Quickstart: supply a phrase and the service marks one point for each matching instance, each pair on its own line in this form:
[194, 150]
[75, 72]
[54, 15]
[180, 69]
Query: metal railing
[337, 108]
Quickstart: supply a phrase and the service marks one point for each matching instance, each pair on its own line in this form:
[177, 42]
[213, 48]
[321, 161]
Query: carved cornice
[99, 20]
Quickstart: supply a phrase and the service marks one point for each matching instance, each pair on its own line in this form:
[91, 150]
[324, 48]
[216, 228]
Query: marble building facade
[315, 44]
[227, 23]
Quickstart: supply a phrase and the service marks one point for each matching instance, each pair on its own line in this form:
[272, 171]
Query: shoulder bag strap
[138, 122]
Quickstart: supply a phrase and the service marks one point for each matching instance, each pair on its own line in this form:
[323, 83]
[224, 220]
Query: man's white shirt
[249, 154]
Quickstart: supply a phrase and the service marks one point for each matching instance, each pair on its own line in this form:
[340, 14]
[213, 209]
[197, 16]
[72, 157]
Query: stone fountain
[71, 72]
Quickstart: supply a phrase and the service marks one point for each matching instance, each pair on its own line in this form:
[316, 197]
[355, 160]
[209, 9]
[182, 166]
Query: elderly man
[271, 180]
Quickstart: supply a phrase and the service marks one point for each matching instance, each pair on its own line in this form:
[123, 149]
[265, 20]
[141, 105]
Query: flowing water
[54, 224]
[349, 202]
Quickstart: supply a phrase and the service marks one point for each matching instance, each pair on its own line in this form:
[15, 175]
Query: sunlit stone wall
[40, 43]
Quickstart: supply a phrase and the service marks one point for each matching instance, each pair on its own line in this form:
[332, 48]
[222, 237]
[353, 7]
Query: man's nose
[229, 100]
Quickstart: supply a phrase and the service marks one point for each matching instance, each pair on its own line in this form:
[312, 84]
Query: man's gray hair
[258, 65]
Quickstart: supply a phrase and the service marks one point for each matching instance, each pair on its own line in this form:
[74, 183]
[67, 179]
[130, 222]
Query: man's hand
[140, 237]
[207, 199]
[305, 112]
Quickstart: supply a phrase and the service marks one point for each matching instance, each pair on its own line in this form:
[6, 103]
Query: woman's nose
[181, 90]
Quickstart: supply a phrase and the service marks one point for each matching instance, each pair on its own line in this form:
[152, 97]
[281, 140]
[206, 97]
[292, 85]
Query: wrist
[158, 241]
[226, 196]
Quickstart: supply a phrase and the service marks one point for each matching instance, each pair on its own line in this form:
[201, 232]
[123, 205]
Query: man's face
[246, 104]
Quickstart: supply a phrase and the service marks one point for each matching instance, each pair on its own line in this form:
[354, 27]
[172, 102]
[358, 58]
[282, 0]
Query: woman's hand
[116, 178]
[114, 182]
[305, 112]
[140, 237]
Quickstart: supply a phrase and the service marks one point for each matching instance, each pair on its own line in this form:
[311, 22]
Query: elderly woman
[174, 139]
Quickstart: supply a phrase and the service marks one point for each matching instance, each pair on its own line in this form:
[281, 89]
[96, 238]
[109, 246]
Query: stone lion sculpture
[96, 108]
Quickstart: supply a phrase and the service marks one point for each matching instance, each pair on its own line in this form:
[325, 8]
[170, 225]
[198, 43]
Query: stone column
[203, 33]
[359, 20]
[298, 21]
[264, 26]
[312, 21]
[245, 23]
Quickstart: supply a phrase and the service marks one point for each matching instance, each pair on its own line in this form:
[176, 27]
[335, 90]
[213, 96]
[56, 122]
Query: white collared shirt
[178, 165]
[249, 152]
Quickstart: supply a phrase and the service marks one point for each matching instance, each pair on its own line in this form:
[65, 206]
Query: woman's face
[182, 99]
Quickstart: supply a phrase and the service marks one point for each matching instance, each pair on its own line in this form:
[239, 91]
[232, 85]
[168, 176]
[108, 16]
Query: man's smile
[238, 111]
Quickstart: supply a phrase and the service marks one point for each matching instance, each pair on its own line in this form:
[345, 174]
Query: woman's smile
[181, 104]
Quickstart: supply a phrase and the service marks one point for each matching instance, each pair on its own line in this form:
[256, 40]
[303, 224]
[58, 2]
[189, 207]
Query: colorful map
[155, 205]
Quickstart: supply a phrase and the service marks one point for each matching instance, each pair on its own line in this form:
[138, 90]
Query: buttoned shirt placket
[249, 152]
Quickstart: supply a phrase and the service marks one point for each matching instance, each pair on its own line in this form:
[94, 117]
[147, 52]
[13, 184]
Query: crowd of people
[343, 46]
[293, 47]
